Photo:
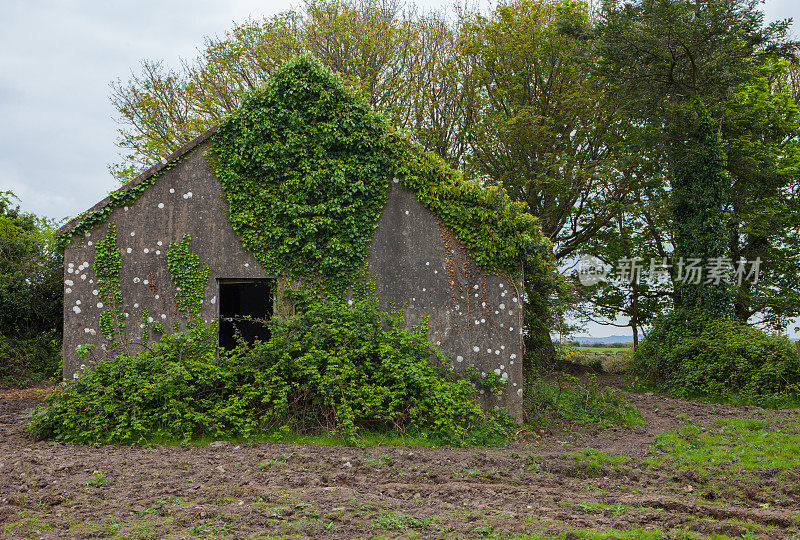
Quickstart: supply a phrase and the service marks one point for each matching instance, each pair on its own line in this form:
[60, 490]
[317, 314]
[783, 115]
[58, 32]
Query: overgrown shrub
[334, 366]
[694, 356]
[29, 359]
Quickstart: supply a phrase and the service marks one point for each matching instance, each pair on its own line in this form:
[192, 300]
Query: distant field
[602, 349]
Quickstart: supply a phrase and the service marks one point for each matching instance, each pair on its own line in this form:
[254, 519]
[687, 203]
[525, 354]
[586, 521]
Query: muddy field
[534, 487]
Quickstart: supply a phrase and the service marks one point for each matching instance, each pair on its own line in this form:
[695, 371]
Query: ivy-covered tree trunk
[699, 188]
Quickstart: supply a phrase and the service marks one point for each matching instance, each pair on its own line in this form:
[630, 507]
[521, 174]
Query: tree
[405, 64]
[760, 129]
[544, 130]
[30, 272]
[673, 59]
[31, 296]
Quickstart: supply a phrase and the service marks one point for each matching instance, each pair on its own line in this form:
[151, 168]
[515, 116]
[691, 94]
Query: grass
[364, 440]
[635, 534]
[395, 522]
[602, 349]
[599, 461]
[732, 443]
[550, 399]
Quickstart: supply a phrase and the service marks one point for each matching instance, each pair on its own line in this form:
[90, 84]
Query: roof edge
[161, 165]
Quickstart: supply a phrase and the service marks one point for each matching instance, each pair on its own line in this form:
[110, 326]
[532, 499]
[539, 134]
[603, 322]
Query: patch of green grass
[26, 523]
[636, 534]
[619, 350]
[734, 443]
[550, 399]
[461, 472]
[151, 527]
[396, 522]
[598, 461]
[362, 440]
[383, 460]
[99, 479]
[265, 465]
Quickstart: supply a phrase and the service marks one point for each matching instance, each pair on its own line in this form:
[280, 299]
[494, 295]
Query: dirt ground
[531, 487]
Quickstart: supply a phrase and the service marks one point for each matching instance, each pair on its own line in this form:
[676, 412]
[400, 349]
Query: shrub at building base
[334, 367]
[689, 355]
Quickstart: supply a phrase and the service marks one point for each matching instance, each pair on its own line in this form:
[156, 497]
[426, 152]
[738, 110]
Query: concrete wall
[415, 260]
[185, 200]
[476, 317]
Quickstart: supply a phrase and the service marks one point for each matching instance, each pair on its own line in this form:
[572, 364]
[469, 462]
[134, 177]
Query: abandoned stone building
[414, 257]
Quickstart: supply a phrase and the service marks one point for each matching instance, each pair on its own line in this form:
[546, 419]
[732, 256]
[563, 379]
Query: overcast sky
[57, 58]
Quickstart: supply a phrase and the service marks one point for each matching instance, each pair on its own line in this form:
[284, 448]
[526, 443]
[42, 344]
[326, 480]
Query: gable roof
[159, 167]
[308, 128]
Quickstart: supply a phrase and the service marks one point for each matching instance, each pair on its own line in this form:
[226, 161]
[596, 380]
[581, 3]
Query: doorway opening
[245, 305]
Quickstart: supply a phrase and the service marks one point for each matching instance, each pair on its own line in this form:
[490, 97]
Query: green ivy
[107, 265]
[189, 276]
[305, 166]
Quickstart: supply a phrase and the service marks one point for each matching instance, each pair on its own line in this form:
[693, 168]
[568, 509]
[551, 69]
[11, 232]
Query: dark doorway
[241, 301]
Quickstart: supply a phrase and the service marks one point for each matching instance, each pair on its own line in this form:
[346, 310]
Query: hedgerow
[690, 355]
[333, 367]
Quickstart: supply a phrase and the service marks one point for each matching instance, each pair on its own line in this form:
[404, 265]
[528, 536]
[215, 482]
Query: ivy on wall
[189, 276]
[107, 265]
[305, 167]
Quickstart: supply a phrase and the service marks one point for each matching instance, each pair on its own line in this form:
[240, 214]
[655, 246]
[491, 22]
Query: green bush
[333, 367]
[29, 359]
[692, 356]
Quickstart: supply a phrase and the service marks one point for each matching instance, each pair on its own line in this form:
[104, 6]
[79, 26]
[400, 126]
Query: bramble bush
[689, 355]
[332, 367]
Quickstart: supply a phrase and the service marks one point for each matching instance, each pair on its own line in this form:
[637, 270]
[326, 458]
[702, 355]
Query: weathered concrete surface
[476, 317]
[185, 200]
[415, 260]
